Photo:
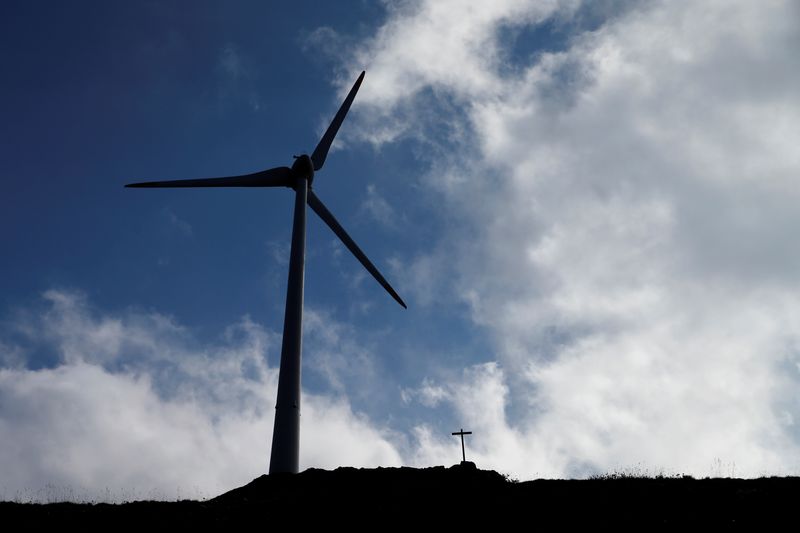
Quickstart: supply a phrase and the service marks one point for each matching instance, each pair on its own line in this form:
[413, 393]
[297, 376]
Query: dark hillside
[462, 494]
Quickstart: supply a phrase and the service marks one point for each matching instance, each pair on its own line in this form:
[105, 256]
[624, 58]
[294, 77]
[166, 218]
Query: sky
[590, 209]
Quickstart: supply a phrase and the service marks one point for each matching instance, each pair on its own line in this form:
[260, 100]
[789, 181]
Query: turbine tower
[286, 433]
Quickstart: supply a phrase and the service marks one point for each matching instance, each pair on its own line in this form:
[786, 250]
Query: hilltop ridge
[462, 493]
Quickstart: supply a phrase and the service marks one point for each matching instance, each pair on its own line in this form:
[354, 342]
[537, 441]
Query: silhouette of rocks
[459, 495]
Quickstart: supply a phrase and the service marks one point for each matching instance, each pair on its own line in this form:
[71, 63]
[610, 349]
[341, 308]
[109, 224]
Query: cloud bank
[622, 212]
[132, 406]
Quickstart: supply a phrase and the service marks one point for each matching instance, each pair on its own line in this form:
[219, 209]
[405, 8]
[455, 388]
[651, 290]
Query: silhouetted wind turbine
[286, 433]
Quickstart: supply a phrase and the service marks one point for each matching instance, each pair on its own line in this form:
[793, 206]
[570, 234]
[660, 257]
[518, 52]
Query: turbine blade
[274, 177]
[321, 151]
[319, 208]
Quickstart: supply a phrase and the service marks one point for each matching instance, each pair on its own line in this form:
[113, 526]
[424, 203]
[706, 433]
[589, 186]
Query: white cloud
[132, 408]
[429, 394]
[622, 221]
[450, 45]
[332, 353]
[423, 276]
[376, 206]
[279, 251]
[426, 55]
[11, 355]
[236, 75]
[177, 223]
[230, 62]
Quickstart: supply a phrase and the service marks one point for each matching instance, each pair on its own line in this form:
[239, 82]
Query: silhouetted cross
[461, 434]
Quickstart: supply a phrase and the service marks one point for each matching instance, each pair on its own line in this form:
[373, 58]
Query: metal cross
[461, 434]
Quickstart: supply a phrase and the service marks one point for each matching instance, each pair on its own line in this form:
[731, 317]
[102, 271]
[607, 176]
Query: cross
[461, 434]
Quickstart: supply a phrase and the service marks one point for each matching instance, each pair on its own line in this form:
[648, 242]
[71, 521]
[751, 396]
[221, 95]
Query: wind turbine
[286, 433]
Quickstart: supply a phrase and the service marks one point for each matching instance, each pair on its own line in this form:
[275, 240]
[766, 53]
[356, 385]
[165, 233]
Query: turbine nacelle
[303, 167]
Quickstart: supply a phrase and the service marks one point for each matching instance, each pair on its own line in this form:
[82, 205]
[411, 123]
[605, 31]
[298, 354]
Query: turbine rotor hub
[303, 167]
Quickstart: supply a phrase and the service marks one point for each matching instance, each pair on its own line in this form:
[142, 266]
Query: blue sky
[162, 92]
[588, 207]
[153, 92]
